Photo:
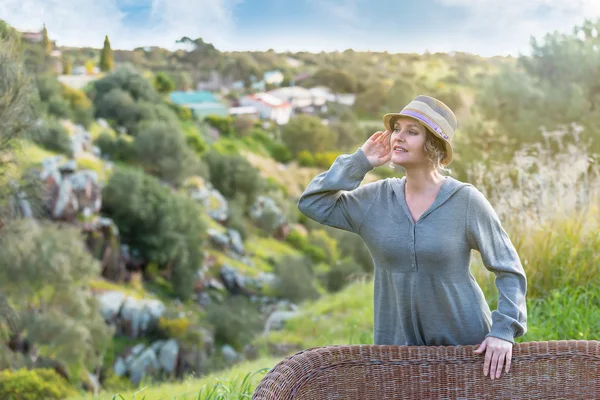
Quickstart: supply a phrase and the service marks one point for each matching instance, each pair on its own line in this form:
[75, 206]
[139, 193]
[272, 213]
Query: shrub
[339, 275]
[295, 279]
[324, 160]
[235, 321]
[233, 175]
[223, 124]
[33, 384]
[162, 150]
[164, 226]
[53, 136]
[119, 148]
[305, 159]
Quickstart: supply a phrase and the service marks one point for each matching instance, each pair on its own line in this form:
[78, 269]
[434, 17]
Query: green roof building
[201, 103]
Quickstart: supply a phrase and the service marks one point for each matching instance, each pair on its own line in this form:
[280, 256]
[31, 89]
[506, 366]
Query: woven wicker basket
[566, 369]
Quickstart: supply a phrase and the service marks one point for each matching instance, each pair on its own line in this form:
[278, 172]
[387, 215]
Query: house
[245, 110]
[274, 77]
[297, 96]
[322, 94]
[269, 107]
[201, 103]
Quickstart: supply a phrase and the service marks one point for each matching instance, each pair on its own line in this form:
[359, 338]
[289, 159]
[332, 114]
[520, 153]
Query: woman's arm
[486, 234]
[334, 197]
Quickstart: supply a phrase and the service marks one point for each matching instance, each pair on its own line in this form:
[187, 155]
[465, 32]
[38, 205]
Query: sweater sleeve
[334, 197]
[486, 235]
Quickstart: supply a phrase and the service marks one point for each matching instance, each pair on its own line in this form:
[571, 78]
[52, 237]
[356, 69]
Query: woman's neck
[422, 180]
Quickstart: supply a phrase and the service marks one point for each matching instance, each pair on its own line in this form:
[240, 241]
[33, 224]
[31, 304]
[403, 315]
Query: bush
[233, 175]
[223, 124]
[305, 159]
[119, 148]
[163, 226]
[339, 275]
[33, 384]
[296, 239]
[162, 150]
[295, 279]
[324, 160]
[53, 136]
[196, 143]
[236, 321]
[307, 133]
[281, 153]
[243, 125]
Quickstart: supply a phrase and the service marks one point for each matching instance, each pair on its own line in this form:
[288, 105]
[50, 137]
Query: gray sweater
[424, 293]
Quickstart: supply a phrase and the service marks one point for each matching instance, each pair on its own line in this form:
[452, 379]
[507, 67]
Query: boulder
[167, 356]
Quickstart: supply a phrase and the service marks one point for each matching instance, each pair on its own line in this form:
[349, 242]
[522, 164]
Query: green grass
[266, 248]
[236, 383]
[346, 318]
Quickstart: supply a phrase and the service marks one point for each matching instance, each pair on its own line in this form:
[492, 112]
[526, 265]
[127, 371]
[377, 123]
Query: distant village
[277, 105]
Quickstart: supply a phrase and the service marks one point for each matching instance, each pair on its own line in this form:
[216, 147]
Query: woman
[420, 231]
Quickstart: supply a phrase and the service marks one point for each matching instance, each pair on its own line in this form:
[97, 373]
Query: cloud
[85, 22]
[340, 11]
[506, 26]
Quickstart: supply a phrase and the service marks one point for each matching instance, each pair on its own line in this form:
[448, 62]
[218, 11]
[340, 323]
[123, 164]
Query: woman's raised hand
[378, 148]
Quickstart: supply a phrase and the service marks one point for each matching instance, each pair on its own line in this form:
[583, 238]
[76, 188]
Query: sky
[485, 27]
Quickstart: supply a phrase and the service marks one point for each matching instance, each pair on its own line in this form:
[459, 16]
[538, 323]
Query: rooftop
[191, 97]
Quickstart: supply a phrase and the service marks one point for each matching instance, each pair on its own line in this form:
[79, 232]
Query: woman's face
[408, 143]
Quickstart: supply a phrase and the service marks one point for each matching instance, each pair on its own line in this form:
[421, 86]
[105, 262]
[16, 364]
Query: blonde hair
[435, 149]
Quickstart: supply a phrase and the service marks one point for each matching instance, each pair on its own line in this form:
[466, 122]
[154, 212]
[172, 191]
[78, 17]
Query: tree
[162, 151]
[46, 44]
[16, 103]
[67, 65]
[106, 57]
[307, 133]
[45, 272]
[233, 176]
[163, 83]
[164, 226]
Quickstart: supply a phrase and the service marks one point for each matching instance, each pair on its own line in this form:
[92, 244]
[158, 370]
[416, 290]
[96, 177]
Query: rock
[233, 281]
[229, 353]
[67, 191]
[270, 217]
[138, 316]
[156, 346]
[236, 241]
[145, 364]
[120, 367]
[277, 320]
[213, 201]
[218, 239]
[167, 356]
[110, 304]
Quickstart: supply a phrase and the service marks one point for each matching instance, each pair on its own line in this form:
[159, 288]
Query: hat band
[429, 122]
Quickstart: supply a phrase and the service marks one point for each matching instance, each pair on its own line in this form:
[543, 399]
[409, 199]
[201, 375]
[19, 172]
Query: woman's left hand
[497, 351]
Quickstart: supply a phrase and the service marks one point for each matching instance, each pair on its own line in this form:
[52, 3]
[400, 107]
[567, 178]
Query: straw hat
[432, 113]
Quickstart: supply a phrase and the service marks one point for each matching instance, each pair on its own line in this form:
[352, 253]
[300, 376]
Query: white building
[269, 107]
[297, 96]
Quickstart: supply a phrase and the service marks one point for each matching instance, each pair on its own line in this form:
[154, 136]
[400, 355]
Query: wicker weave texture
[567, 369]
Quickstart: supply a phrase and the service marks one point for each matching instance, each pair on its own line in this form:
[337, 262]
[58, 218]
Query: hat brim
[388, 117]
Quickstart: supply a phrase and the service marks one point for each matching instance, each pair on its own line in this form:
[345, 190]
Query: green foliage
[33, 384]
[16, 98]
[118, 148]
[320, 239]
[223, 124]
[307, 133]
[337, 80]
[295, 279]
[46, 43]
[243, 125]
[106, 57]
[233, 175]
[67, 66]
[162, 150]
[163, 83]
[196, 143]
[306, 159]
[277, 150]
[119, 108]
[138, 87]
[340, 274]
[45, 270]
[235, 321]
[53, 136]
[164, 226]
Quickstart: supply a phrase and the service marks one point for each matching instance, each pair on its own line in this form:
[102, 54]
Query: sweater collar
[449, 187]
